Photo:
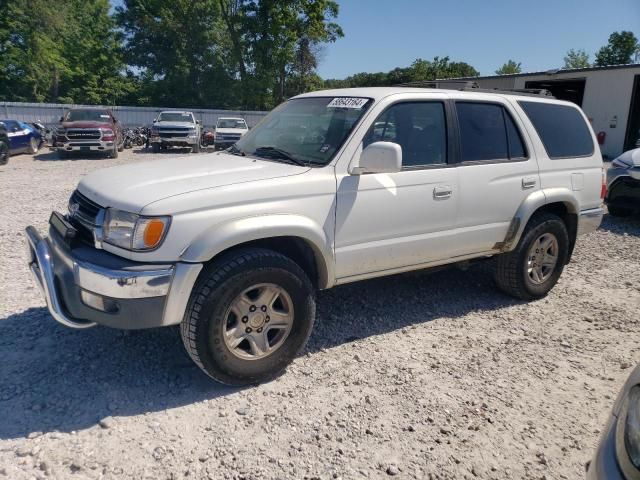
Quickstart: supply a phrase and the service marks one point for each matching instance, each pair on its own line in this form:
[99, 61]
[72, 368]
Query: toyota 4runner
[331, 187]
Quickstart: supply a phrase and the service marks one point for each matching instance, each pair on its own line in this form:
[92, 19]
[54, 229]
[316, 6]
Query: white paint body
[359, 226]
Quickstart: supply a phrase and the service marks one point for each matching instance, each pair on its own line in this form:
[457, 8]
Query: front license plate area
[60, 224]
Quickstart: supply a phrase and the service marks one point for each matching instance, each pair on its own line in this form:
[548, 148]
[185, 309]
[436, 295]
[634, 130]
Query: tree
[510, 67]
[576, 59]
[621, 49]
[60, 51]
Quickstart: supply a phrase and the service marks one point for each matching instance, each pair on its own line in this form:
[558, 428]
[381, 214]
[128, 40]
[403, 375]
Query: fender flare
[221, 237]
[530, 205]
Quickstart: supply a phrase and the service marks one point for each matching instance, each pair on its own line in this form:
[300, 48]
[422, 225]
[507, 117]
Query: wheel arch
[294, 236]
[559, 201]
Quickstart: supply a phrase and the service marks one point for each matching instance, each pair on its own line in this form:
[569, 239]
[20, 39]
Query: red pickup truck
[88, 129]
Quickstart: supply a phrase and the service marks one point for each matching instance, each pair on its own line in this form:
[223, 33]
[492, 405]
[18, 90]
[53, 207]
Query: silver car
[623, 184]
[618, 454]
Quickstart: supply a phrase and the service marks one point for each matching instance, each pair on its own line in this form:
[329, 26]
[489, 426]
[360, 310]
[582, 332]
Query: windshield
[175, 117]
[231, 123]
[88, 116]
[306, 130]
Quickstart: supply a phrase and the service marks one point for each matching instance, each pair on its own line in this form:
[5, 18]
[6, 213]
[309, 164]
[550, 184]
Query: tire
[209, 315]
[121, 147]
[114, 153]
[196, 148]
[514, 273]
[155, 147]
[619, 211]
[34, 145]
[62, 154]
[4, 153]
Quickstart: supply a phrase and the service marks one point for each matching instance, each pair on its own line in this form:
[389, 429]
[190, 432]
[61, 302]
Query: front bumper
[131, 295]
[84, 146]
[589, 220]
[175, 141]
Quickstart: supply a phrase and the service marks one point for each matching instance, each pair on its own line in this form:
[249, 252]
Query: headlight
[617, 163]
[134, 232]
[632, 427]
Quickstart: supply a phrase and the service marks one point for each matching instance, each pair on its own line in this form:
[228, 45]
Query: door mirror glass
[379, 157]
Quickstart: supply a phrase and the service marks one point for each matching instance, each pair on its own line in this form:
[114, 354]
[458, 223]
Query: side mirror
[198, 122]
[155, 120]
[61, 119]
[379, 157]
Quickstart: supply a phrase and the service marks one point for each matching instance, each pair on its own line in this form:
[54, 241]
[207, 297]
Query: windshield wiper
[234, 150]
[277, 153]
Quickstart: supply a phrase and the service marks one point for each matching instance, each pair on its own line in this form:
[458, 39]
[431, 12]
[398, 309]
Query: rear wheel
[619, 211]
[533, 268]
[249, 315]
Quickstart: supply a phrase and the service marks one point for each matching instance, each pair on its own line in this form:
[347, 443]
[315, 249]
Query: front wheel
[533, 268]
[249, 315]
[34, 145]
[4, 153]
[195, 148]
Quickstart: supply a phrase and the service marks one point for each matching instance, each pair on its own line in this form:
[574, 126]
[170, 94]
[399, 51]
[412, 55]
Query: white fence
[50, 113]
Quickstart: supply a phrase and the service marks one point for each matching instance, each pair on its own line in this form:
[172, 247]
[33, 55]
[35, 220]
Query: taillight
[603, 189]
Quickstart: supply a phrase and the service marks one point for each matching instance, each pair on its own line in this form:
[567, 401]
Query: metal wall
[50, 113]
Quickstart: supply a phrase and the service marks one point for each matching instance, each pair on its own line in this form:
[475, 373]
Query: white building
[610, 97]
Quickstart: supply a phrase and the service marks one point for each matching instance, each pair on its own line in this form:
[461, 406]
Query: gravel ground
[415, 376]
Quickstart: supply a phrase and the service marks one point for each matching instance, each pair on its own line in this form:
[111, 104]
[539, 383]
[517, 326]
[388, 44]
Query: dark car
[4, 145]
[623, 184]
[89, 130]
[618, 454]
[23, 138]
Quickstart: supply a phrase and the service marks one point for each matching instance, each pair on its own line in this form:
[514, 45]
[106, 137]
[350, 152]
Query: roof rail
[469, 85]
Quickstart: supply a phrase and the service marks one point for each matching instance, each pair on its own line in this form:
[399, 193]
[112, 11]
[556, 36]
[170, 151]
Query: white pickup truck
[228, 131]
[331, 187]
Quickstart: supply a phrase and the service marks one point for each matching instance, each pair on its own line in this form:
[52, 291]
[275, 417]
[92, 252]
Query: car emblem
[73, 208]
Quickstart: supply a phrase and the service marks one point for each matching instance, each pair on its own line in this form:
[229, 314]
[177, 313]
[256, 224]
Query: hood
[86, 124]
[174, 124]
[132, 187]
[632, 157]
[231, 130]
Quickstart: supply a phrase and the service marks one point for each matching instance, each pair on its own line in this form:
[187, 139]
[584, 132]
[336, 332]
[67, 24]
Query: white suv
[331, 187]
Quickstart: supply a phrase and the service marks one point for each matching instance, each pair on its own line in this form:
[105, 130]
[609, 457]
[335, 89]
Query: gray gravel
[415, 376]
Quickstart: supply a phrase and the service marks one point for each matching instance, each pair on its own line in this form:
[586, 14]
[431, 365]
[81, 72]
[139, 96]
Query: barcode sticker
[348, 102]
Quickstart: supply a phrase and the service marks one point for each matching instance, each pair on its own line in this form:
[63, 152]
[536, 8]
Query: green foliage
[576, 59]
[420, 70]
[509, 68]
[621, 49]
[60, 51]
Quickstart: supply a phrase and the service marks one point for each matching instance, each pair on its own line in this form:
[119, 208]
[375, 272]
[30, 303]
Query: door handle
[442, 192]
[529, 182]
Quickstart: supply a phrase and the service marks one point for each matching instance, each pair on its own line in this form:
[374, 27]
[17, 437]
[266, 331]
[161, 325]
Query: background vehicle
[332, 187]
[618, 454]
[23, 138]
[229, 130]
[89, 130]
[4, 145]
[134, 137]
[175, 129]
[623, 184]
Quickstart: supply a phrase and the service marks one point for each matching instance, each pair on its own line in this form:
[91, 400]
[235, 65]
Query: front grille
[173, 134]
[83, 216]
[83, 134]
[231, 137]
[173, 129]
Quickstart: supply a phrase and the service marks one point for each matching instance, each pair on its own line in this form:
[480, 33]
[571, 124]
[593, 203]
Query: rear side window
[561, 128]
[487, 132]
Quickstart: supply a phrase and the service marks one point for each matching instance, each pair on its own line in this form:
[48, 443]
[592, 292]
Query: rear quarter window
[562, 129]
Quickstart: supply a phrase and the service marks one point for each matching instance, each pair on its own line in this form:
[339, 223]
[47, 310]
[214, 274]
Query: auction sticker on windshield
[348, 102]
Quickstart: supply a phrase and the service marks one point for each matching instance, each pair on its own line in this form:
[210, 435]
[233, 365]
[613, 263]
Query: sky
[381, 35]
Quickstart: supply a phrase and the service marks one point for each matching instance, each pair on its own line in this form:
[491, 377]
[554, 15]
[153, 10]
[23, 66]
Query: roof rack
[469, 85]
